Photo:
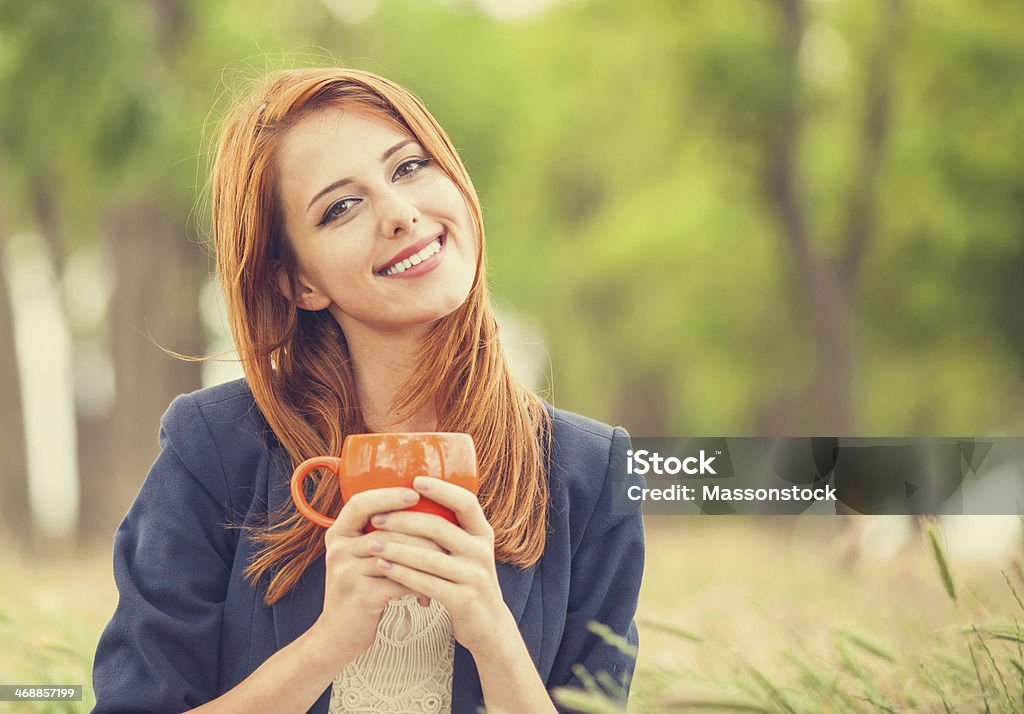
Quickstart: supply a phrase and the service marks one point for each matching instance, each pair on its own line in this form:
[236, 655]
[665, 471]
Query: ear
[304, 296]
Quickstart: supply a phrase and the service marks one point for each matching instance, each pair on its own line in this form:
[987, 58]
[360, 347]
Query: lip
[409, 251]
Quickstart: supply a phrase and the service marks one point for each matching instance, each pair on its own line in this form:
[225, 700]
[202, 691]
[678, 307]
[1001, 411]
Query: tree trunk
[831, 316]
[642, 403]
[828, 284]
[159, 273]
[15, 515]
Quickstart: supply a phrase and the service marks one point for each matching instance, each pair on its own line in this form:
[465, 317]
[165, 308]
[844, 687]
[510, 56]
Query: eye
[408, 168]
[337, 210]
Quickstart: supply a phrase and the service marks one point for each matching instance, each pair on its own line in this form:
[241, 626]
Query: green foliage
[623, 155]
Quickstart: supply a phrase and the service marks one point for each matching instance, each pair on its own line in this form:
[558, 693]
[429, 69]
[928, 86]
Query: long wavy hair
[297, 362]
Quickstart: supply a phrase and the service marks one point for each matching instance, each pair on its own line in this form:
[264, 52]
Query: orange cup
[371, 461]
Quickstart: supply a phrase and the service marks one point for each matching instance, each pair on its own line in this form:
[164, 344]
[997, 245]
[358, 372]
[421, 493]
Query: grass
[735, 616]
[51, 615]
[763, 616]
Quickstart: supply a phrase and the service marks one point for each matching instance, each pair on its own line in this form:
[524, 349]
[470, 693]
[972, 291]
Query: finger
[385, 587]
[356, 546]
[440, 564]
[423, 583]
[398, 537]
[464, 503]
[426, 525]
[354, 568]
[356, 512]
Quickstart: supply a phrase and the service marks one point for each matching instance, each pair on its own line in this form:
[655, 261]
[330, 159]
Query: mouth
[415, 255]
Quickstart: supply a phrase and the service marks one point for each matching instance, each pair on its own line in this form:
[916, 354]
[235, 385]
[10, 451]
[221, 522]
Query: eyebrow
[349, 179]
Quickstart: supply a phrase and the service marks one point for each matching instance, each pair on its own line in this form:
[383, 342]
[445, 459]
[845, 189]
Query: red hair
[297, 362]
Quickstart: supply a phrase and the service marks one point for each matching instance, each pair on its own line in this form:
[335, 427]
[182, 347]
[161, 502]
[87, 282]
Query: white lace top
[407, 669]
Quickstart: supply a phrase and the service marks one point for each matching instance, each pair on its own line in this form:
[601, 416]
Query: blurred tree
[78, 137]
[722, 209]
[15, 518]
[158, 269]
[829, 283]
[730, 216]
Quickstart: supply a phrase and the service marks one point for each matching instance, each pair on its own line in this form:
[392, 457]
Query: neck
[381, 363]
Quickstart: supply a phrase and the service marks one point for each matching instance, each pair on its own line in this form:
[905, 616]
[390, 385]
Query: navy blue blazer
[188, 627]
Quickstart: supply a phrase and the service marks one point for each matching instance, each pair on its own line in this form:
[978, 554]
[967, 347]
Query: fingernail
[384, 564]
[380, 519]
[410, 496]
[421, 483]
[376, 546]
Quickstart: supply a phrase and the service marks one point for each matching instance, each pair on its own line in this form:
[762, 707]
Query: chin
[420, 319]
[440, 313]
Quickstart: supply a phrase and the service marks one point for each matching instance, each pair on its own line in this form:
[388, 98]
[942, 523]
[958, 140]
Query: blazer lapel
[296, 612]
[515, 587]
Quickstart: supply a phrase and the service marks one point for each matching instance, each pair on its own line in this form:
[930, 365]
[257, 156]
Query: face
[384, 239]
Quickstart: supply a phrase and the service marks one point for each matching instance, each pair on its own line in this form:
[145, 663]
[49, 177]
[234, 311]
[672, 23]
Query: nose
[397, 214]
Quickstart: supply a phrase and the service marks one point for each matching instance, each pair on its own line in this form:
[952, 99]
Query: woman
[350, 247]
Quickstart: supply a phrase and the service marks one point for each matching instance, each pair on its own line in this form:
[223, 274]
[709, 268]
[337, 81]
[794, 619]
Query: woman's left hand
[463, 578]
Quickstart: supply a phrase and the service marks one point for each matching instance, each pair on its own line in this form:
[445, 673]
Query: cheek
[342, 277]
[463, 214]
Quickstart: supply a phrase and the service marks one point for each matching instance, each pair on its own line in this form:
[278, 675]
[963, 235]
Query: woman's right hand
[355, 591]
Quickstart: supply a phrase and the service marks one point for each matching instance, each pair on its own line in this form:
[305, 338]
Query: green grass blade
[612, 638]
[931, 681]
[671, 630]
[995, 666]
[996, 632]
[1020, 656]
[589, 684]
[940, 559]
[687, 704]
[865, 644]
[610, 686]
[774, 693]
[880, 704]
[585, 702]
[1018, 569]
[1013, 590]
[981, 681]
[810, 677]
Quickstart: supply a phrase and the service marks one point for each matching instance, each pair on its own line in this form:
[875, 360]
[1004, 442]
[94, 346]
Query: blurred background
[715, 217]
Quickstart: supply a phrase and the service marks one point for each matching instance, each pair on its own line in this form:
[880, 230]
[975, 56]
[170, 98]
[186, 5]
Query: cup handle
[303, 469]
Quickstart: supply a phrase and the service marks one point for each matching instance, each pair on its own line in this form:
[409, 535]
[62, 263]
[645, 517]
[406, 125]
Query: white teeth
[400, 267]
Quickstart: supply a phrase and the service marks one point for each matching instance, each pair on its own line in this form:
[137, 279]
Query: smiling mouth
[427, 252]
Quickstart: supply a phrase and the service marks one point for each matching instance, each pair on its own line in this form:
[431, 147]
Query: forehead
[334, 142]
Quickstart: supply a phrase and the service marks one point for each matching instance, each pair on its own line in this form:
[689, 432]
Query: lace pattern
[407, 669]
